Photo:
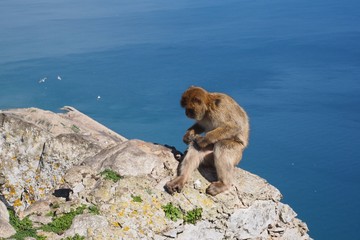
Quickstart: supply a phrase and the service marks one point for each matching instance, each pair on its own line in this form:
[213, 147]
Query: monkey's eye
[197, 100]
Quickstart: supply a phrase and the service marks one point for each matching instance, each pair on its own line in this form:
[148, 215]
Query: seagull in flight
[59, 78]
[42, 80]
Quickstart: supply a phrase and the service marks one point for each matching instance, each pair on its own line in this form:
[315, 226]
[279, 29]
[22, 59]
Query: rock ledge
[50, 159]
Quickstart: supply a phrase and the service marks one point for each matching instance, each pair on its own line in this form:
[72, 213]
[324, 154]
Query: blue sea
[294, 65]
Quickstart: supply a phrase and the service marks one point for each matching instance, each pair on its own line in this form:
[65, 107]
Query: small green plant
[50, 214]
[94, 210]
[136, 198]
[63, 222]
[23, 228]
[193, 216]
[111, 175]
[75, 128]
[172, 212]
[75, 237]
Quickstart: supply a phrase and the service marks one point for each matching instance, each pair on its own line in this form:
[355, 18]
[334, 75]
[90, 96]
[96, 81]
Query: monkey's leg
[191, 161]
[227, 154]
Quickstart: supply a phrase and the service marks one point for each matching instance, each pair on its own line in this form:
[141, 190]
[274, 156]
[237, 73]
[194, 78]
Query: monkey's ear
[217, 101]
[183, 102]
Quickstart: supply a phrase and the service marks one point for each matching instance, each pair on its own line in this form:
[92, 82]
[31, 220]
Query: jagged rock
[126, 157]
[86, 224]
[44, 153]
[202, 230]
[252, 222]
[6, 230]
[37, 147]
[4, 214]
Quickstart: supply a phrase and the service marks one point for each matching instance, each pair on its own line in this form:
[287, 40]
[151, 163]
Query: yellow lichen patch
[207, 202]
[14, 158]
[146, 207]
[62, 180]
[17, 203]
[126, 228]
[121, 213]
[134, 213]
[156, 203]
[12, 190]
[31, 190]
[116, 224]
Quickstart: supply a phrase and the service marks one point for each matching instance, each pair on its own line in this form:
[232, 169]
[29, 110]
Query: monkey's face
[194, 100]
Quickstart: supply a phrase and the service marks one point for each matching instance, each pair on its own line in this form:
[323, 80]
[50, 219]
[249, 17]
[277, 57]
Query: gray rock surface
[6, 230]
[41, 152]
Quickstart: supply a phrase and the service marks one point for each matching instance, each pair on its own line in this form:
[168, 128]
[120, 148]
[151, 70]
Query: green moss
[75, 237]
[136, 198]
[64, 221]
[94, 210]
[193, 216]
[23, 228]
[172, 212]
[110, 175]
[50, 214]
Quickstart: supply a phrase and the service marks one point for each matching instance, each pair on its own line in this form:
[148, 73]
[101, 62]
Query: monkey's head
[196, 102]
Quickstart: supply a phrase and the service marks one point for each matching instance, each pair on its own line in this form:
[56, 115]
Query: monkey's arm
[192, 132]
[220, 133]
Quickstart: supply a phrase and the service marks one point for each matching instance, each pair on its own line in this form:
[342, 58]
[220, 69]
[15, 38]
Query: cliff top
[56, 165]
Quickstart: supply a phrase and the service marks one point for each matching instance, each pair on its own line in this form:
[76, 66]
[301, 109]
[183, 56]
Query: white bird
[98, 97]
[59, 78]
[42, 80]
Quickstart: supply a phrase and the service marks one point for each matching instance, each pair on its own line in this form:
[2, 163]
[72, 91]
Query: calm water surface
[293, 65]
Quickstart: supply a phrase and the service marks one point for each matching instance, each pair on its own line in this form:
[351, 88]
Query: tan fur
[226, 128]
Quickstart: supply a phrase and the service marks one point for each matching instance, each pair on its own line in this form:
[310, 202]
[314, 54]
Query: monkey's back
[229, 113]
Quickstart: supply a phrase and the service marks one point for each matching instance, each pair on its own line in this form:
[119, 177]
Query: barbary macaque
[225, 128]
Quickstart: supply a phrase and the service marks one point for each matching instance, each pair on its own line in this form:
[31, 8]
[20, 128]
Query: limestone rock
[44, 154]
[126, 157]
[252, 222]
[37, 147]
[6, 230]
[4, 214]
[86, 224]
[202, 230]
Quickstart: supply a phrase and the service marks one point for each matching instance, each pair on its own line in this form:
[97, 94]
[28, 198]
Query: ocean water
[293, 65]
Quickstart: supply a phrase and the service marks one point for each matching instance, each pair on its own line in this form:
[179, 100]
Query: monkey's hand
[201, 142]
[189, 137]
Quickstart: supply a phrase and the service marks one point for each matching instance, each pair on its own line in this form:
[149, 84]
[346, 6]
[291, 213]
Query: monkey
[220, 135]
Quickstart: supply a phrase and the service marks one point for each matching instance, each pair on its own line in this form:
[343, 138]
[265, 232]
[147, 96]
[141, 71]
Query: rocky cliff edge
[55, 165]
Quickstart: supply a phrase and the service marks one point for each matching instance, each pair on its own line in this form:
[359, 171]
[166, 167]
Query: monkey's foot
[175, 185]
[216, 187]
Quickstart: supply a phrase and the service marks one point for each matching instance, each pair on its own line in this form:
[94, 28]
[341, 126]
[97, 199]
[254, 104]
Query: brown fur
[226, 128]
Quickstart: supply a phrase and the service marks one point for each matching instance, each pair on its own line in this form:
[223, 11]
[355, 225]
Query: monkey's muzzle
[190, 113]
